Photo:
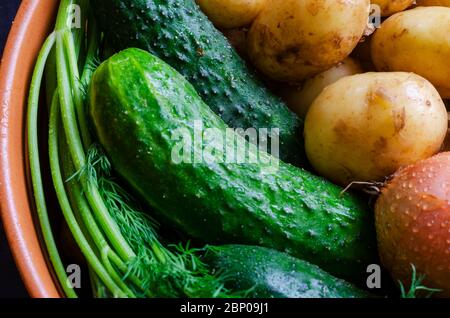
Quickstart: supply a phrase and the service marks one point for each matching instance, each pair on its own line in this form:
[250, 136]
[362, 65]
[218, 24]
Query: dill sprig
[416, 289]
[164, 271]
[92, 62]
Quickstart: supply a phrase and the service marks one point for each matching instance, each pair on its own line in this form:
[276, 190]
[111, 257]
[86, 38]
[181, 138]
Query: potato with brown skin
[416, 41]
[413, 223]
[300, 97]
[389, 7]
[295, 39]
[432, 3]
[364, 127]
[229, 14]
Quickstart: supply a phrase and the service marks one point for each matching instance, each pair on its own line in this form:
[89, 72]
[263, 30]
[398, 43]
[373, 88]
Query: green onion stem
[80, 204]
[76, 148]
[65, 204]
[35, 167]
[75, 83]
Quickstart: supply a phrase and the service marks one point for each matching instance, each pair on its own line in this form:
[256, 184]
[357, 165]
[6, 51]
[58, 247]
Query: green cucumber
[138, 104]
[271, 274]
[180, 34]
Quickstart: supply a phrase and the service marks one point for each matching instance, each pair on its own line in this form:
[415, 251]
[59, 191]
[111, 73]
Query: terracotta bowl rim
[17, 220]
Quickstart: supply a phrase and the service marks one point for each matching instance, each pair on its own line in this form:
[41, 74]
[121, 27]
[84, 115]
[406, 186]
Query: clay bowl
[31, 26]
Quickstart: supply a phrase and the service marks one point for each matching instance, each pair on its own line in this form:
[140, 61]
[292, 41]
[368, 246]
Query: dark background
[10, 283]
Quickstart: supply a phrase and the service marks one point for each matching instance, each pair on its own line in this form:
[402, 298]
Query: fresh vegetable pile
[179, 173]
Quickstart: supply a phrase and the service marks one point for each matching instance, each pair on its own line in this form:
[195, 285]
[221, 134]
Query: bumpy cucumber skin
[180, 34]
[136, 103]
[272, 274]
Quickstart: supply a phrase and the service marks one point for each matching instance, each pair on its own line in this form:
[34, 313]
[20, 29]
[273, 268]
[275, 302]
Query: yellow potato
[230, 14]
[389, 7]
[428, 3]
[364, 127]
[295, 39]
[416, 41]
[300, 97]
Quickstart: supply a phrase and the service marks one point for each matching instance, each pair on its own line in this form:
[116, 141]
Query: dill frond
[416, 288]
[164, 271]
[92, 63]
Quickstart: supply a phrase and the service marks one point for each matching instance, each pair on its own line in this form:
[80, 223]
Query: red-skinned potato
[413, 223]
